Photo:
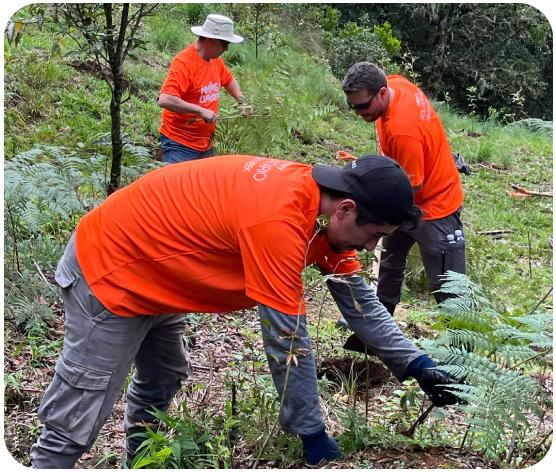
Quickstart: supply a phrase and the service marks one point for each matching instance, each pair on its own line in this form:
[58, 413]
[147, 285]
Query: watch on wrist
[242, 101]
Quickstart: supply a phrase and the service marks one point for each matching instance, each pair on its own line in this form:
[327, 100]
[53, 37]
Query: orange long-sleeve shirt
[213, 235]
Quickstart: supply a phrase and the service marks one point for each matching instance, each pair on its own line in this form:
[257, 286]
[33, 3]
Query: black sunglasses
[362, 106]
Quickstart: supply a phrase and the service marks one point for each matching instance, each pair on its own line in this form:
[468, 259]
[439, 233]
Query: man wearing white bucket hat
[190, 94]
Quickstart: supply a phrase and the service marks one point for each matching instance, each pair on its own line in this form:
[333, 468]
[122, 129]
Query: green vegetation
[499, 53]
[57, 167]
[490, 350]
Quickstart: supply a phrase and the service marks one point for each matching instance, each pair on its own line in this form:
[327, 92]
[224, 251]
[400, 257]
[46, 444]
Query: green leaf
[164, 452]
[19, 347]
[439, 413]
[176, 450]
[105, 458]
[19, 34]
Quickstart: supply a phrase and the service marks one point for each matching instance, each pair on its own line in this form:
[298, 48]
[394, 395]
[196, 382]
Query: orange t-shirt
[210, 236]
[196, 81]
[412, 134]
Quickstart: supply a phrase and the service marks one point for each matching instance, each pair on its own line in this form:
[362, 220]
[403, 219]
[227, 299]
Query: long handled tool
[411, 431]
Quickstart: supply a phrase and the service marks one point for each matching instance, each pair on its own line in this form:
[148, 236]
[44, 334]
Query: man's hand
[319, 446]
[433, 381]
[208, 116]
[244, 108]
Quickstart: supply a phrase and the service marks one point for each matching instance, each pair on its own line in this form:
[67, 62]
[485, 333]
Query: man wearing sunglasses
[409, 131]
[191, 92]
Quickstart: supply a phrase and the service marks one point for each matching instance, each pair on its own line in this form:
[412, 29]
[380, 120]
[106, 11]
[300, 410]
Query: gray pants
[99, 350]
[439, 256]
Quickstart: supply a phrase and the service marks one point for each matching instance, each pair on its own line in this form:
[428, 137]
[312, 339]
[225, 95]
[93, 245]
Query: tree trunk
[116, 134]
[116, 58]
[441, 46]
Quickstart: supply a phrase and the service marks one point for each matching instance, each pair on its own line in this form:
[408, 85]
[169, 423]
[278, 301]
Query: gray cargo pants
[438, 255]
[99, 350]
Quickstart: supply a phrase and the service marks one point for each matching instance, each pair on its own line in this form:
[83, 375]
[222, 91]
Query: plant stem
[512, 445]
[465, 435]
[366, 384]
[411, 431]
[318, 325]
[283, 397]
[270, 434]
[546, 351]
[16, 252]
[547, 435]
[539, 304]
[529, 247]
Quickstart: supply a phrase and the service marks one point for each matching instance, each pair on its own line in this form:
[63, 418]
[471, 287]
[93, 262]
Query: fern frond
[536, 124]
[537, 321]
[473, 341]
[480, 346]
[512, 354]
[46, 190]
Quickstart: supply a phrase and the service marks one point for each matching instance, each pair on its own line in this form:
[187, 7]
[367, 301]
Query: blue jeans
[175, 152]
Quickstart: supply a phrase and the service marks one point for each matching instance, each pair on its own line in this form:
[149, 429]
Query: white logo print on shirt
[263, 169]
[210, 93]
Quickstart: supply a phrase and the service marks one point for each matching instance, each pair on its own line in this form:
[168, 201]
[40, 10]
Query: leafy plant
[492, 352]
[46, 191]
[196, 12]
[190, 445]
[354, 44]
[535, 124]
[11, 381]
[106, 34]
[357, 430]
[280, 121]
[391, 44]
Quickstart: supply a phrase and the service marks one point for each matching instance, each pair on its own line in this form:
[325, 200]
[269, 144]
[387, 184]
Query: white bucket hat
[218, 27]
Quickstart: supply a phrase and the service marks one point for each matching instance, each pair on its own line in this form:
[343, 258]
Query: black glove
[431, 380]
[318, 446]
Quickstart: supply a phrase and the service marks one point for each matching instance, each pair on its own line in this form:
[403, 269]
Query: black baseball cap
[377, 183]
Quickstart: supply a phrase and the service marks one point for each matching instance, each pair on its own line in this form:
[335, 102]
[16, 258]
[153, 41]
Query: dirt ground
[211, 352]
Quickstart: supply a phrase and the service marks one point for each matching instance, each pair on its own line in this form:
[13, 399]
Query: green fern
[536, 124]
[46, 191]
[492, 352]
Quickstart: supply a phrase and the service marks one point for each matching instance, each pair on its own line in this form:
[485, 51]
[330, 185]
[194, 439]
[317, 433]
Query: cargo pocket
[72, 404]
[455, 259]
[65, 275]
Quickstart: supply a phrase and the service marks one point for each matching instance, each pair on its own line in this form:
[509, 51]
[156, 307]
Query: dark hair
[364, 217]
[415, 214]
[364, 76]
